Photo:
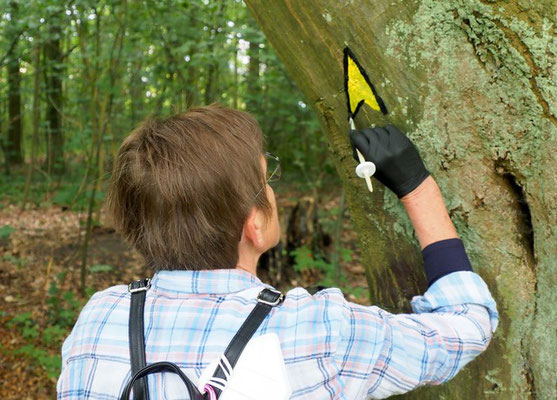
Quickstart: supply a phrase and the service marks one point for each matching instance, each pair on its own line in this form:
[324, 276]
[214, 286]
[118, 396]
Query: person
[191, 193]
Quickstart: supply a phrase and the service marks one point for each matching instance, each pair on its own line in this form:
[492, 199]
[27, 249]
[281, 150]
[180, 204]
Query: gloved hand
[399, 165]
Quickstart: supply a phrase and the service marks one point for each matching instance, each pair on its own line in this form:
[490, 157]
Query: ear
[252, 231]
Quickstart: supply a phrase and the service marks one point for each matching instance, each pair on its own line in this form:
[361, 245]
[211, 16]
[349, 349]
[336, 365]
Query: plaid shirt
[332, 348]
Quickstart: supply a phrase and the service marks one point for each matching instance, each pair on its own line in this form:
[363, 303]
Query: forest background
[75, 78]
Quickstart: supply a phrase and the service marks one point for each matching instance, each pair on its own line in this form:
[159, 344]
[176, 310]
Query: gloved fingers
[360, 142]
[376, 136]
[398, 138]
[393, 130]
[378, 143]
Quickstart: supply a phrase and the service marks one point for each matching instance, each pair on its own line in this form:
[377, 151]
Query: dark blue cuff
[444, 257]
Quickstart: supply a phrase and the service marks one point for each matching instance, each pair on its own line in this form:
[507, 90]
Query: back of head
[183, 186]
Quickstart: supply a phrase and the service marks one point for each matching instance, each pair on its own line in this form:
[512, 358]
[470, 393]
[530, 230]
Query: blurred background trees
[77, 76]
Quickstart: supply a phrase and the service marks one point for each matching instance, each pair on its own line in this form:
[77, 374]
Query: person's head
[186, 189]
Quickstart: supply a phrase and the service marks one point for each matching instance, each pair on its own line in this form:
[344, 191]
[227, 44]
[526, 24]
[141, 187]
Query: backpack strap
[162, 366]
[266, 300]
[138, 290]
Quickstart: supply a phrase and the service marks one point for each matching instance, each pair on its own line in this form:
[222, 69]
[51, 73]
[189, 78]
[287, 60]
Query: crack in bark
[526, 231]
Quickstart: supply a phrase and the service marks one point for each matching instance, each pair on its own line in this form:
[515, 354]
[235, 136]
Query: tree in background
[13, 144]
[53, 87]
[473, 84]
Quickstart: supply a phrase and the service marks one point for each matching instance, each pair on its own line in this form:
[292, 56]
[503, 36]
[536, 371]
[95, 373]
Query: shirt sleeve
[386, 354]
[443, 258]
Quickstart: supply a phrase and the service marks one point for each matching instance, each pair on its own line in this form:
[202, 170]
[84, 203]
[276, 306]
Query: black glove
[399, 165]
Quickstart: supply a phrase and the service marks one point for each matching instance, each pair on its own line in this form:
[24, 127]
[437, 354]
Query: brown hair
[183, 186]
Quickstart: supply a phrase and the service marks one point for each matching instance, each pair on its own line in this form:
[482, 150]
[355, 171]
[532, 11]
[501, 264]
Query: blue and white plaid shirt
[333, 349]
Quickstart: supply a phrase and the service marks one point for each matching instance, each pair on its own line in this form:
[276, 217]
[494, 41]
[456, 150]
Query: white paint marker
[365, 169]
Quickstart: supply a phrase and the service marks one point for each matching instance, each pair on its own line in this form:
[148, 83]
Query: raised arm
[452, 322]
[401, 169]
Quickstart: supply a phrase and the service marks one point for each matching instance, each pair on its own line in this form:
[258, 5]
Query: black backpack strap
[138, 290]
[162, 366]
[266, 300]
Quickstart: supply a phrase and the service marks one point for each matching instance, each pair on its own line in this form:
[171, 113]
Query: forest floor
[40, 281]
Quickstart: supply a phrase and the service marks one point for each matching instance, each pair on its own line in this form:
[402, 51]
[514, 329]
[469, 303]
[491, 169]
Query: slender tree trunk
[191, 94]
[210, 83]
[53, 87]
[473, 84]
[215, 40]
[137, 93]
[236, 81]
[36, 122]
[252, 78]
[105, 107]
[13, 149]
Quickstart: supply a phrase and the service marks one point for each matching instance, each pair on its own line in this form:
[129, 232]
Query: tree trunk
[253, 95]
[473, 84]
[35, 123]
[137, 93]
[210, 81]
[53, 86]
[13, 149]
[214, 64]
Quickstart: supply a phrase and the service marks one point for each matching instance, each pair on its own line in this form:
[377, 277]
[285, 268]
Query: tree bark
[35, 123]
[53, 86]
[473, 84]
[253, 95]
[137, 93]
[13, 145]
[214, 64]
[13, 149]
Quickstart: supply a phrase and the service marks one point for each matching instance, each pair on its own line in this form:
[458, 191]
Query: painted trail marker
[360, 90]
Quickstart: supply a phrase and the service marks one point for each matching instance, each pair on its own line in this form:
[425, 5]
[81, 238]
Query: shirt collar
[207, 281]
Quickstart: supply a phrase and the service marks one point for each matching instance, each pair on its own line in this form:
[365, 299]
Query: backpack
[266, 300]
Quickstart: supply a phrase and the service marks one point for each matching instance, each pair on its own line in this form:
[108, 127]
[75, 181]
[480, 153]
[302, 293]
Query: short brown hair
[183, 186]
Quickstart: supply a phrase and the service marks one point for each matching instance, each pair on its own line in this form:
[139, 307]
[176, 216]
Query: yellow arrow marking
[359, 88]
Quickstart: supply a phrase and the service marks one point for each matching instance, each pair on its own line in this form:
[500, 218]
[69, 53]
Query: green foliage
[306, 260]
[19, 262]
[97, 268]
[30, 332]
[64, 306]
[50, 362]
[6, 231]
[27, 326]
[42, 345]
[53, 335]
[195, 52]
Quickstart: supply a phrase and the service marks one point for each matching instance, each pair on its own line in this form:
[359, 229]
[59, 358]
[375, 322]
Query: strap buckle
[139, 286]
[279, 297]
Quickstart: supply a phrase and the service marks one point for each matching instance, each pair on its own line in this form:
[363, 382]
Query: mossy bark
[473, 83]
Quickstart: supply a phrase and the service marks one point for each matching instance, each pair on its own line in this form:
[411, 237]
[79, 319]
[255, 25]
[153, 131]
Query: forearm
[428, 213]
[443, 252]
